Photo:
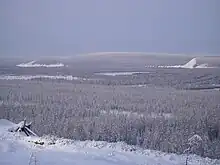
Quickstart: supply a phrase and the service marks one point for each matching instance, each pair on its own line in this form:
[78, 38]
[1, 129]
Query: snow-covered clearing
[33, 64]
[151, 115]
[16, 104]
[120, 73]
[31, 77]
[17, 149]
[124, 113]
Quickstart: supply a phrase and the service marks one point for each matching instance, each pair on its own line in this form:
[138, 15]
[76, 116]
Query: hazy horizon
[65, 28]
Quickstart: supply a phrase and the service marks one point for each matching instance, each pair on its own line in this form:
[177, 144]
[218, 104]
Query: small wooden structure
[23, 127]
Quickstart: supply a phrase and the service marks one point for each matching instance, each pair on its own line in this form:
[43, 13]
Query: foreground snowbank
[16, 149]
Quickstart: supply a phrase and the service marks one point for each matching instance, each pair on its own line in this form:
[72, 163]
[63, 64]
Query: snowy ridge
[32, 77]
[33, 64]
[189, 65]
[127, 53]
[63, 151]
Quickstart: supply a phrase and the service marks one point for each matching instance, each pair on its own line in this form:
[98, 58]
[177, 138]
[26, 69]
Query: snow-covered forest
[152, 118]
[102, 82]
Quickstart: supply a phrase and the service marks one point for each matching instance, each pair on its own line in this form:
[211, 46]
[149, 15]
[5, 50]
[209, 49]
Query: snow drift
[33, 64]
[17, 149]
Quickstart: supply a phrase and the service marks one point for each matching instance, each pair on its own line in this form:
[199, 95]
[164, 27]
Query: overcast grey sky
[64, 27]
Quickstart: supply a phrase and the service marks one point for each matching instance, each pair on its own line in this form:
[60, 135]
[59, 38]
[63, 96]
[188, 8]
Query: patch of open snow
[5, 123]
[16, 149]
[151, 115]
[33, 64]
[161, 115]
[138, 85]
[119, 73]
[204, 66]
[124, 113]
[16, 104]
[31, 77]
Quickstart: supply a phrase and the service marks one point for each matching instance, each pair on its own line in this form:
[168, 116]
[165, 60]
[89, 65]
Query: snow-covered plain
[17, 149]
[119, 73]
[32, 77]
[33, 64]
